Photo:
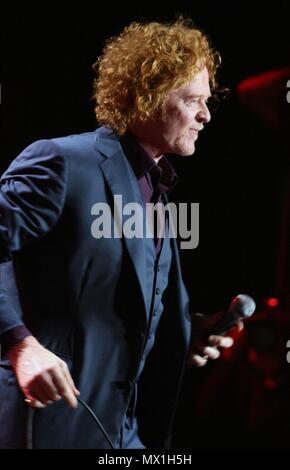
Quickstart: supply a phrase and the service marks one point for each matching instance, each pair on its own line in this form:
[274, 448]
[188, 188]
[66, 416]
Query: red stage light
[272, 302]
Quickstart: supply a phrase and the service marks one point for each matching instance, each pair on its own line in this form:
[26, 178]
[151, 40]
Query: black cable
[31, 412]
[97, 421]
[29, 436]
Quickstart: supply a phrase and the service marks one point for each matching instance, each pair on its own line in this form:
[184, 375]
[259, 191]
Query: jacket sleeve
[32, 195]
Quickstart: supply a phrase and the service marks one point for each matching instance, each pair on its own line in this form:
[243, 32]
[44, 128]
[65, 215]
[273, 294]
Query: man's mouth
[194, 132]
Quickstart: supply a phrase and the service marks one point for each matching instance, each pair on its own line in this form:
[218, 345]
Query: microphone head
[242, 306]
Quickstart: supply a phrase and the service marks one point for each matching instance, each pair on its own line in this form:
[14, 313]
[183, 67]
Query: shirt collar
[143, 164]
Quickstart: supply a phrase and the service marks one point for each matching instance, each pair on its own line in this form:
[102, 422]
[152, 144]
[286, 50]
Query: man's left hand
[203, 345]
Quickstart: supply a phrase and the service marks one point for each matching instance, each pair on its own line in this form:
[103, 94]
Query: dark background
[239, 173]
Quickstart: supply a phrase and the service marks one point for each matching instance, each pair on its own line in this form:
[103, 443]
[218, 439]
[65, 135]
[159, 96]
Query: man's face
[184, 114]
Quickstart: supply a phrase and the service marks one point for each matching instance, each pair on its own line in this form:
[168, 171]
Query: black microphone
[241, 308]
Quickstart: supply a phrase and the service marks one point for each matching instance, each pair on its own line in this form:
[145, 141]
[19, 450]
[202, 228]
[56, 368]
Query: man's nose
[203, 114]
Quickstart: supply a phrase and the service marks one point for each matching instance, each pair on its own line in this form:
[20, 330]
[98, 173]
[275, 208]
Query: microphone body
[241, 308]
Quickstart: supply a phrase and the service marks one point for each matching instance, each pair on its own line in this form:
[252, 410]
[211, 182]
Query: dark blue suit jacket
[84, 299]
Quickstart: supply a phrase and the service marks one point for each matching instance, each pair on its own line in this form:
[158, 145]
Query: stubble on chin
[184, 150]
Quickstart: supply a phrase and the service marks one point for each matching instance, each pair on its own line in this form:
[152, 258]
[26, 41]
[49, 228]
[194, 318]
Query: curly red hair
[138, 68]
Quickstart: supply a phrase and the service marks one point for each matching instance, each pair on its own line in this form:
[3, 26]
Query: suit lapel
[122, 181]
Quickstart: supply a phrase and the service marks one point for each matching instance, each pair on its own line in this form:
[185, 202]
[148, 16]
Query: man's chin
[183, 150]
[187, 152]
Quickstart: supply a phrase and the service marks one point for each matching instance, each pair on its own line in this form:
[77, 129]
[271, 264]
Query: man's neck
[150, 150]
[146, 143]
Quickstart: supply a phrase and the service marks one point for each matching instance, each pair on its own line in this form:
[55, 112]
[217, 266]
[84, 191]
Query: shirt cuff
[13, 336]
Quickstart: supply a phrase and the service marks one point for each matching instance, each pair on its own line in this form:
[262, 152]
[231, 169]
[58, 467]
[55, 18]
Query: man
[107, 317]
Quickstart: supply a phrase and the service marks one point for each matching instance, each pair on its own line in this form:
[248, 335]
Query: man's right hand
[42, 376]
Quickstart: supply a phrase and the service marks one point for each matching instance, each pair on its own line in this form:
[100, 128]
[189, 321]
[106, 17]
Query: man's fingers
[69, 378]
[197, 360]
[38, 391]
[43, 389]
[240, 325]
[221, 341]
[33, 403]
[201, 352]
[64, 388]
[205, 350]
[50, 388]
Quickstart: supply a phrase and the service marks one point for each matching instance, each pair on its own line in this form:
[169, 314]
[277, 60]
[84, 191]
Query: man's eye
[193, 101]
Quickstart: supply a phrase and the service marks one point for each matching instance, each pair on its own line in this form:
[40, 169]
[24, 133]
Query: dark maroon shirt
[153, 179]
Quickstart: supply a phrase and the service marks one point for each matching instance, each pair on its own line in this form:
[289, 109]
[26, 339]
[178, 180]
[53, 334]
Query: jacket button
[158, 267]
[157, 291]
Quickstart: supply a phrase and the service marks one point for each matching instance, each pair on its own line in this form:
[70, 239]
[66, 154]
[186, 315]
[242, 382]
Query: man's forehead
[199, 84]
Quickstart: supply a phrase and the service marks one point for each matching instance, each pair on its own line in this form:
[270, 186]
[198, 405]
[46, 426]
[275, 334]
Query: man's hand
[203, 345]
[42, 376]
